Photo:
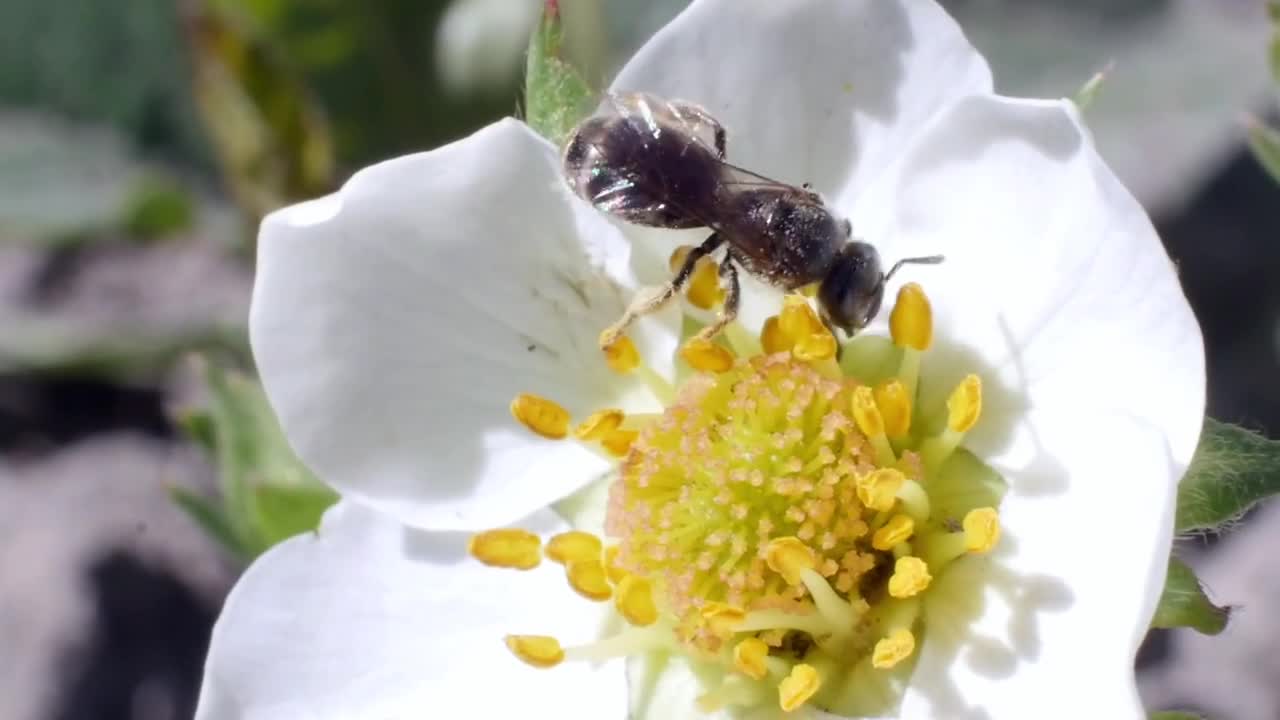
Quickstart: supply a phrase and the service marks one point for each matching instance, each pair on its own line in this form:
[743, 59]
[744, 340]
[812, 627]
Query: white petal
[372, 620]
[394, 321]
[820, 91]
[1058, 293]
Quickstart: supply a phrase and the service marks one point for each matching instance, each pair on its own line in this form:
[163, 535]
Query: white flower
[394, 321]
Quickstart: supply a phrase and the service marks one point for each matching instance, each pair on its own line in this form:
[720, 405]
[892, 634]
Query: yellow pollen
[704, 287]
[772, 338]
[865, 412]
[895, 648]
[599, 424]
[618, 442]
[879, 489]
[911, 321]
[611, 567]
[506, 548]
[797, 319]
[981, 530]
[722, 619]
[965, 404]
[622, 356]
[706, 356]
[910, 577]
[634, 601]
[539, 651]
[542, 416]
[816, 346]
[796, 689]
[789, 557]
[895, 407]
[897, 530]
[574, 545]
[588, 579]
[749, 658]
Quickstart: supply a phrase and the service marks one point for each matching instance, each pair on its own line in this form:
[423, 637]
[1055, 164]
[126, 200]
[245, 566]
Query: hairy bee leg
[651, 299]
[732, 300]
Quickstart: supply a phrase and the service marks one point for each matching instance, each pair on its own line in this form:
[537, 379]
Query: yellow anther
[634, 601]
[865, 412]
[815, 346]
[797, 319]
[574, 545]
[704, 287]
[588, 579]
[611, 567]
[599, 424]
[506, 548]
[541, 415]
[878, 489]
[911, 321]
[722, 619]
[897, 530]
[789, 557]
[895, 407]
[981, 530]
[707, 356]
[965, 404]
[895, 648]
[796, 689]
[539, 651]
[749, 656]
[618, 442]
[622, 356]
[910, 577]
[772, 338]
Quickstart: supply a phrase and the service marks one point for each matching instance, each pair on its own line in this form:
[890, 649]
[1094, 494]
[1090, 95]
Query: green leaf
[1183, 603]
[211, 519]
[198, 426]
[1175, 715]
[556, 96]
[156, 209]
[1232, 470]
[1265, 144]
[287, 510]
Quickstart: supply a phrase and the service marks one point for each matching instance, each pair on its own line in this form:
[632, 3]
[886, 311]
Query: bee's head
[852, 291]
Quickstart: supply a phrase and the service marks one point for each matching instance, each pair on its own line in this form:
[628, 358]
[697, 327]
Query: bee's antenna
[926, 260]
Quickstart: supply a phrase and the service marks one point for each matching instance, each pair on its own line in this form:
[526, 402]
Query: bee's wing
[739, 177]
[652, 116]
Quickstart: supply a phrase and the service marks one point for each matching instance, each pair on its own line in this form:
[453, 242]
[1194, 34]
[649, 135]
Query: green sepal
[1233, 469]
[1174, 715]
[1088, 92]
[287, 510]
[211, 519]
[1183, 603]
[556, 96]
[1265, 144]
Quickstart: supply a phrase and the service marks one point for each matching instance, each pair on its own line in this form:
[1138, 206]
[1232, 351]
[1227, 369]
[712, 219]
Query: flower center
[780, 522]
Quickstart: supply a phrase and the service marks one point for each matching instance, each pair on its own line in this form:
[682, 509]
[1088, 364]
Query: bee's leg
[732, 299]
[650, 299]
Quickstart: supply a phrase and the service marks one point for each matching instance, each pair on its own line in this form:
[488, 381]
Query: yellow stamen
[869, 420]
[895, 407]
[611, 567]
[588, 578]
[506, 548]
[897, 530]
[539, 651]
[981, 530]
[815, 346]
[798, 687]
[706, 356]
[599, 424]
[618, 442]
[704, 286]
[879, 489]
[911, 321]
[910, 577]
[722, 619]
[965, 404]
[634, 601]
[789, 557]
[622, 356]
[749, 658]
[797, 319]
[573, 545]
[772, 338]
[542, 416]
[895, 648]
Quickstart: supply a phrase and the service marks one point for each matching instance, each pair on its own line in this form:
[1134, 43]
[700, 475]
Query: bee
[661, 163]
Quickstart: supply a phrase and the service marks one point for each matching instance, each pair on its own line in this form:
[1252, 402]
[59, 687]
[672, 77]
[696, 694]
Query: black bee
[662, 163]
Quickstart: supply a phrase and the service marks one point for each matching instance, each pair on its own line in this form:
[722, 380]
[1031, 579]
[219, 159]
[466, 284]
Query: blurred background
[140, 142]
